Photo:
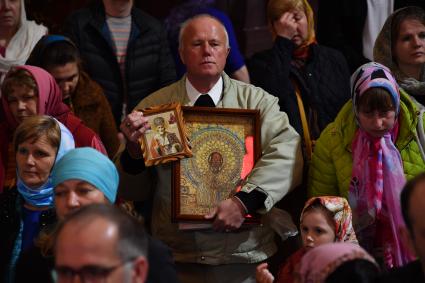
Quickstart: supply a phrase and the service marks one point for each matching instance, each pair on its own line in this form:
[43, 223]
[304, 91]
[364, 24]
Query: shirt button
[202, 258]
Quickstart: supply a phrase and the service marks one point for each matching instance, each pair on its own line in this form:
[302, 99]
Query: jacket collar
[86, 93]
[181, 88]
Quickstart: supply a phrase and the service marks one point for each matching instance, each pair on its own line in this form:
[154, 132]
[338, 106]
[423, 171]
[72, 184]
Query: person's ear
[181, 55]
[140, 269]
[407, 238]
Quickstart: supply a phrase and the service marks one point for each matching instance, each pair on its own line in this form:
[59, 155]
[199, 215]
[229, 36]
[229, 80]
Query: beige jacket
[278, 171]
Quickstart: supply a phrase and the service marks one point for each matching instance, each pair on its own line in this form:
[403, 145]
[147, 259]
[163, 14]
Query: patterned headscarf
[372, 75]
[373, 198]
[342, 216]
[318, 263]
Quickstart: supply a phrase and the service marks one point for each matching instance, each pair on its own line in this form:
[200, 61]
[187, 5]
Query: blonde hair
[276, 8]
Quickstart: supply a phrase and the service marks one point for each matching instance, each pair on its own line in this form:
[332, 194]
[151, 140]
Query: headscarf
[318, 263]
[43, 196]
[89, 165]
[37, 54]
[382, 53]
[274, 13]
[49, 97]
[342, 216]
[49, 103]
[373, 198]
[19, 48]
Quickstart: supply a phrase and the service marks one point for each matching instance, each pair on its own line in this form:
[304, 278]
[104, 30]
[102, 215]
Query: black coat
[340, 25]
[324, 84]
[10, 217]
[148, 67]
[411, 272]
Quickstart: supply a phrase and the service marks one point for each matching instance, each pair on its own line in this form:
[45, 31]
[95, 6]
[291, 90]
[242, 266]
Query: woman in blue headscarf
[83, 177]
[39, 142]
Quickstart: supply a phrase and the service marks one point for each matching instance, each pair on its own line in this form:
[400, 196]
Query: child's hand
[263, 275]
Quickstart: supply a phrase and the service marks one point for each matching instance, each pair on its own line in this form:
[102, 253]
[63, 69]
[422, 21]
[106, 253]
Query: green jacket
[331, 165]
[277, 171]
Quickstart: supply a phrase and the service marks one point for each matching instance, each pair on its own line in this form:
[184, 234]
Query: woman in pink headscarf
[28, 91]
[337, 262]
[366, 155]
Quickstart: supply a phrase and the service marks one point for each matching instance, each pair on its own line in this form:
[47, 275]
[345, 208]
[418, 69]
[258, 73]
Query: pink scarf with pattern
[377, 178]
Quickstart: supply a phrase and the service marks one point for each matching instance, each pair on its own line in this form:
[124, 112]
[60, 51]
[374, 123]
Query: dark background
[248, 17]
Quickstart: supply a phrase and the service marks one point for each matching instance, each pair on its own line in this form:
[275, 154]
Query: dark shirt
[31, 219]
[411, 272]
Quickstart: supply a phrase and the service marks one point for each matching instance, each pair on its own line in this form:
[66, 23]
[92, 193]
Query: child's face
[376, 123]
[316, 230]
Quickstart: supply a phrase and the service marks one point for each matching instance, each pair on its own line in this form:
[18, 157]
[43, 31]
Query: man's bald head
[194, 20]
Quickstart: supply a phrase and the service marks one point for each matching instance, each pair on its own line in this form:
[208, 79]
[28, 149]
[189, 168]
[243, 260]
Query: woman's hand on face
[286, 25]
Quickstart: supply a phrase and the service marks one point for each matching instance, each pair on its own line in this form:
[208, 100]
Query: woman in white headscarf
[18, 36]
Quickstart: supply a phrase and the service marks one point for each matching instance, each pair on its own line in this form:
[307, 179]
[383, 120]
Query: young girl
[323, 220]
[366, 154]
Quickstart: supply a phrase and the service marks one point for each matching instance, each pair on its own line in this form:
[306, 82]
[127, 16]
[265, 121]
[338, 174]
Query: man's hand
[286, 25]
[229, 215]
[133, 126]
[263, 275]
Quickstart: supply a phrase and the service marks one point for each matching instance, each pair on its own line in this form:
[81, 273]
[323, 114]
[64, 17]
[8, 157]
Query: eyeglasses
[87, 274]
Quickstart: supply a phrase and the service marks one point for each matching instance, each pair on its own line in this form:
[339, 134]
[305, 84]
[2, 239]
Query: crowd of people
[349, 138]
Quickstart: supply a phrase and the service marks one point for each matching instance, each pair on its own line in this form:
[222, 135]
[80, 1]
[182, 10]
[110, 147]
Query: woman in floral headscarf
[365, 155]
[401, 47]
[336, 262]
[323, 220]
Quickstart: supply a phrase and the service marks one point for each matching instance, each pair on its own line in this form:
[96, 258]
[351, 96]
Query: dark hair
[405, 198]
[18, 77]
[408, 13]
[52, 54]
[319, 207]
[375, 99]
[131, 239]
[354, 271]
